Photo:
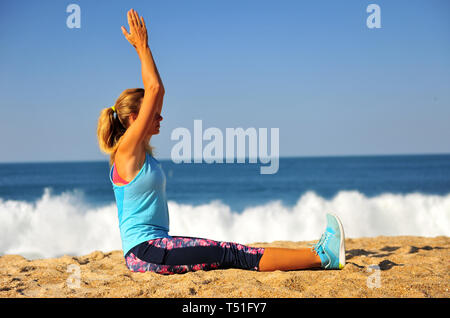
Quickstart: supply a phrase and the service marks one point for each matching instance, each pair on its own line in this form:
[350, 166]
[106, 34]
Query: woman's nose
[160, 118]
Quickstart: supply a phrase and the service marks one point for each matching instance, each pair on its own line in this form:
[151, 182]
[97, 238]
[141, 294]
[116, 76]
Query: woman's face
[155, 125]
[153, 128]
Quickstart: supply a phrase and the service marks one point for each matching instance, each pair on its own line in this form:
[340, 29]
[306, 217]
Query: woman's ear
[132, 118]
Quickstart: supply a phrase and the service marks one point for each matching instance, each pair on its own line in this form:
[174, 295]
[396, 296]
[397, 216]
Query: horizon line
[246, 158]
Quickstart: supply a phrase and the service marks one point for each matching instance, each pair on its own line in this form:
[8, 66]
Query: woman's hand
[138, 32]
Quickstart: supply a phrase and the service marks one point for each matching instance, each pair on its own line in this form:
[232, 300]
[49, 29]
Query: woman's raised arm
[139, 39]
[153, 85]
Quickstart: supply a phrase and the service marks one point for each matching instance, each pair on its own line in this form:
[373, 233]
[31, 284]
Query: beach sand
[402, 266]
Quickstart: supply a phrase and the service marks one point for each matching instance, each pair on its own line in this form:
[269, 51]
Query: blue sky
[313, 69]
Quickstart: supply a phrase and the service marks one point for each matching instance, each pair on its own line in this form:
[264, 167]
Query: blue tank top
[142, 205]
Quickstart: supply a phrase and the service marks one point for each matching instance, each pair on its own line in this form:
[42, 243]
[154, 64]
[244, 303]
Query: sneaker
[331, 246]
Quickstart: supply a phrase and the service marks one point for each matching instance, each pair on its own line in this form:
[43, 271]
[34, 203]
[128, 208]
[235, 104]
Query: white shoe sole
[341, 243]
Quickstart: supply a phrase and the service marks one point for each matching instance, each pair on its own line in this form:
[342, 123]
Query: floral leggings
[177, 255]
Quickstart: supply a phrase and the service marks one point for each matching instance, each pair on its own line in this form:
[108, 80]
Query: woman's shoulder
[129, 165]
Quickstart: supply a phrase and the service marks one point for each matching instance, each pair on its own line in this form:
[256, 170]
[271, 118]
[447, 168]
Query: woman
[124, 132]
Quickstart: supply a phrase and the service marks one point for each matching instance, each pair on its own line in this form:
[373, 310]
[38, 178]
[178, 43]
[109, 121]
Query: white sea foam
[64, 224]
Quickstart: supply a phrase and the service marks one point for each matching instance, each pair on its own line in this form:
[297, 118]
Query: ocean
[58, 208]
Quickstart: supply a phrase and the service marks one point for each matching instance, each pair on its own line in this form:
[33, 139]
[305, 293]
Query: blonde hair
[112, 125]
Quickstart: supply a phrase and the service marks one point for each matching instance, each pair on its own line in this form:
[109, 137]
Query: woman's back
[142, 205]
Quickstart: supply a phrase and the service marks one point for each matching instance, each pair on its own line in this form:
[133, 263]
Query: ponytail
[109, 131]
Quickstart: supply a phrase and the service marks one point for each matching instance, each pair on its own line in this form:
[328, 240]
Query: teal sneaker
[331, 246]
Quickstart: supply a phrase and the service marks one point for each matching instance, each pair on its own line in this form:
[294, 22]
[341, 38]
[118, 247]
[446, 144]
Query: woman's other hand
[138, 32]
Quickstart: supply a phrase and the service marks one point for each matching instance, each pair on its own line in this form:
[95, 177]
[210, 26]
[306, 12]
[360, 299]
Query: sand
[403, 266]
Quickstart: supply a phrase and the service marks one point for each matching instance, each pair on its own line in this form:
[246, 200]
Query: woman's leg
[328, 253]
[286, 259]
[182, 254]
[210, 254]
